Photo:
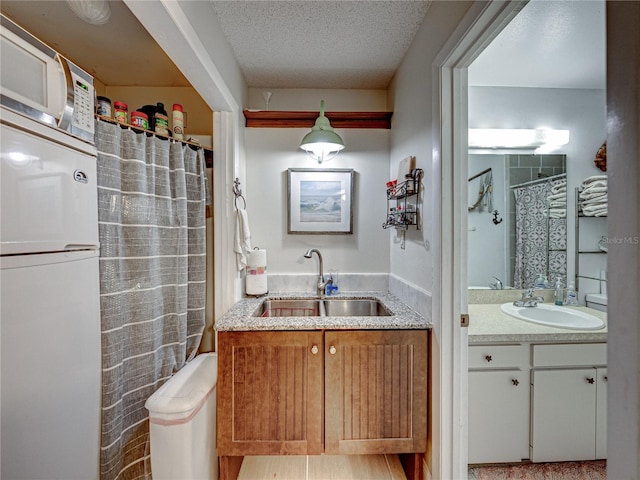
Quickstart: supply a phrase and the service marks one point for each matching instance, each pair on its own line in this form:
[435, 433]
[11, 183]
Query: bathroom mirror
[517, 221]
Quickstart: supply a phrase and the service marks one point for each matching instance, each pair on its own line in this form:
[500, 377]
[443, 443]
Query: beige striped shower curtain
[152, 194]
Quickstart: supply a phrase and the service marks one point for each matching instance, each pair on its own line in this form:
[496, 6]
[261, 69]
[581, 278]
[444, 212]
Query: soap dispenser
[541, 281]
[559, 293]
[572, 296]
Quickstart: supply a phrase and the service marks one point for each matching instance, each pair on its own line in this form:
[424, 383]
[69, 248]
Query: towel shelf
[579, 250]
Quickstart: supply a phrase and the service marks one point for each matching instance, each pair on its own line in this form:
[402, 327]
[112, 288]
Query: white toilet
[597, 301]
[182, 423]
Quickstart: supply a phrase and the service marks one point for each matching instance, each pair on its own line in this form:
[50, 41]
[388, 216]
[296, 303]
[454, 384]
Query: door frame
[484, 20]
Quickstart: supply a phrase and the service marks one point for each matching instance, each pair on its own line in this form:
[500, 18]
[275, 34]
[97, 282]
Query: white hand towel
[242, 243]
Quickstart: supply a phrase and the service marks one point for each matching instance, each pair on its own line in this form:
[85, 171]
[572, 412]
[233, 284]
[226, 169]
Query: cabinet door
[563, 414]
[375, 391]
[269, 393]
[601, 414]
[498, 416]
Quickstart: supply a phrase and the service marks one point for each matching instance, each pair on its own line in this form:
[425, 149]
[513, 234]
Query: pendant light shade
[322, 143]
[95, 12]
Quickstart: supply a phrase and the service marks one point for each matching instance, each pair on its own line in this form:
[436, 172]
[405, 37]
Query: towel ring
[238, 194]
[244, 202]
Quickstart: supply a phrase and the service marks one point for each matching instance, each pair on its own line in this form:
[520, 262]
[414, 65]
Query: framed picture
[320, 201]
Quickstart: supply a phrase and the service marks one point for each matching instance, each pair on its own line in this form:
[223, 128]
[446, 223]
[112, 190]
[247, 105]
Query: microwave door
[35, 85]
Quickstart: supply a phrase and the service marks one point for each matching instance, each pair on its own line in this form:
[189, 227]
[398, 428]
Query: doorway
[484, 24]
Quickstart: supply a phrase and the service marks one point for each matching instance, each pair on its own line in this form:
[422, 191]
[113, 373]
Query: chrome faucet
[322, 283]
[528, 300]
[497, 285]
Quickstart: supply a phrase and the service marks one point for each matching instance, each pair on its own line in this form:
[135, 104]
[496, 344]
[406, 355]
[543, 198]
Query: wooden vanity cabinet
[375, 391]
[313, 392]
[270, 387]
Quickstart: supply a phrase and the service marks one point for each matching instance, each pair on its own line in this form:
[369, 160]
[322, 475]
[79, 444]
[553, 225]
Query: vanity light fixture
[95, 12]
[322, 143]
[540, 138]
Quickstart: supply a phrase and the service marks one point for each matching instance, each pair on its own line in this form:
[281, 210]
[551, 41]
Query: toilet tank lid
[598, 298]
[185, 392]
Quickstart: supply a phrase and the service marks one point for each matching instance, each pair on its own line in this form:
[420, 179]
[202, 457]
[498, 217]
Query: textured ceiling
[555, 44]
[320, 44]
[329, 44]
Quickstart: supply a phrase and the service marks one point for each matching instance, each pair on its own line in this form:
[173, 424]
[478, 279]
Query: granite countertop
[489, 324]
[240, 316]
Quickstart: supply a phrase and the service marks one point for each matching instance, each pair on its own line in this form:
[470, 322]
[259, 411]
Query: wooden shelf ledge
[280, 119]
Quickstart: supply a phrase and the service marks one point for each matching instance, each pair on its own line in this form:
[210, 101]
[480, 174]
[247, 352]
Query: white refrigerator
[49, 304]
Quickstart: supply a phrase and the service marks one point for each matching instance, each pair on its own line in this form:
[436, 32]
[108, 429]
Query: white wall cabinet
[544, 402]
[498, 403]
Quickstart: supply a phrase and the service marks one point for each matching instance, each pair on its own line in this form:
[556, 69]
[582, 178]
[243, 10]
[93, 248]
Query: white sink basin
[554, 316]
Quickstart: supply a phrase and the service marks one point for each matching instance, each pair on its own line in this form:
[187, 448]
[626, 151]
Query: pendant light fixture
[95, 12]
[322, 143]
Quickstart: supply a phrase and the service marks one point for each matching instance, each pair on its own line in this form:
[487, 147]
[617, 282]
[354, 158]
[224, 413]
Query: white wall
[413, 99]
[271, 151]
[581, 111]
[487, 241]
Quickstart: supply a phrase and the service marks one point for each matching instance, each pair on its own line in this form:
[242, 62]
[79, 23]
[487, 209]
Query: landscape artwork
[320, 201]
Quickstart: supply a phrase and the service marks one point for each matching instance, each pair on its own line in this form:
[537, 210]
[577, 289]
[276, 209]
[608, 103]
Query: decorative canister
[140, 119]
[103, 106]
[121, 112]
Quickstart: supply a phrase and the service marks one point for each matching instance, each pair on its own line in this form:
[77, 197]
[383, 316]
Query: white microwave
[39, 83]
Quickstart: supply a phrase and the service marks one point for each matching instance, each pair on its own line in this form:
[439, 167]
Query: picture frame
[320, 201]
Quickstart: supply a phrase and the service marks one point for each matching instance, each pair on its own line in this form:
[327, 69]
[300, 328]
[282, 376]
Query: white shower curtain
[152, 194]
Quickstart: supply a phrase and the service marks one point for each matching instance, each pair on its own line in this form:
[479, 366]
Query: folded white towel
[597, 210]
[596, 183]
[559, 188]
[558, 204]
[593, 178]
[557, 213]
[557, 196]
[242, 241]
[595, 200]
[591, 196]
[593, 189]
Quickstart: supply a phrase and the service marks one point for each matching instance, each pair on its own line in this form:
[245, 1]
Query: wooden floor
[322, 467]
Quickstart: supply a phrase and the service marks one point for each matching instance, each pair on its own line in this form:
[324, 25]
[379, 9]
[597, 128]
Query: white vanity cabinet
[568, 402]
[498, 403]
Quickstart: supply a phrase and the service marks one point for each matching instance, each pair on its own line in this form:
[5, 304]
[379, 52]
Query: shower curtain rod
[480, 174]
[149, 132]
[540, 180]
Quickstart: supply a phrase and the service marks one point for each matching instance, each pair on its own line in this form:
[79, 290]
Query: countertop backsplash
[347, 282]
[506, 295]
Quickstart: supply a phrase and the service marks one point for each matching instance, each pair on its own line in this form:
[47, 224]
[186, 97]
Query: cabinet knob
[590, 380]
[606, 379]
[332, 350]
[488, 358]
[515, 382]
[314, 349]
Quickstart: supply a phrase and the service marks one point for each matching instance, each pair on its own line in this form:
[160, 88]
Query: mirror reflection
[517, 220]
